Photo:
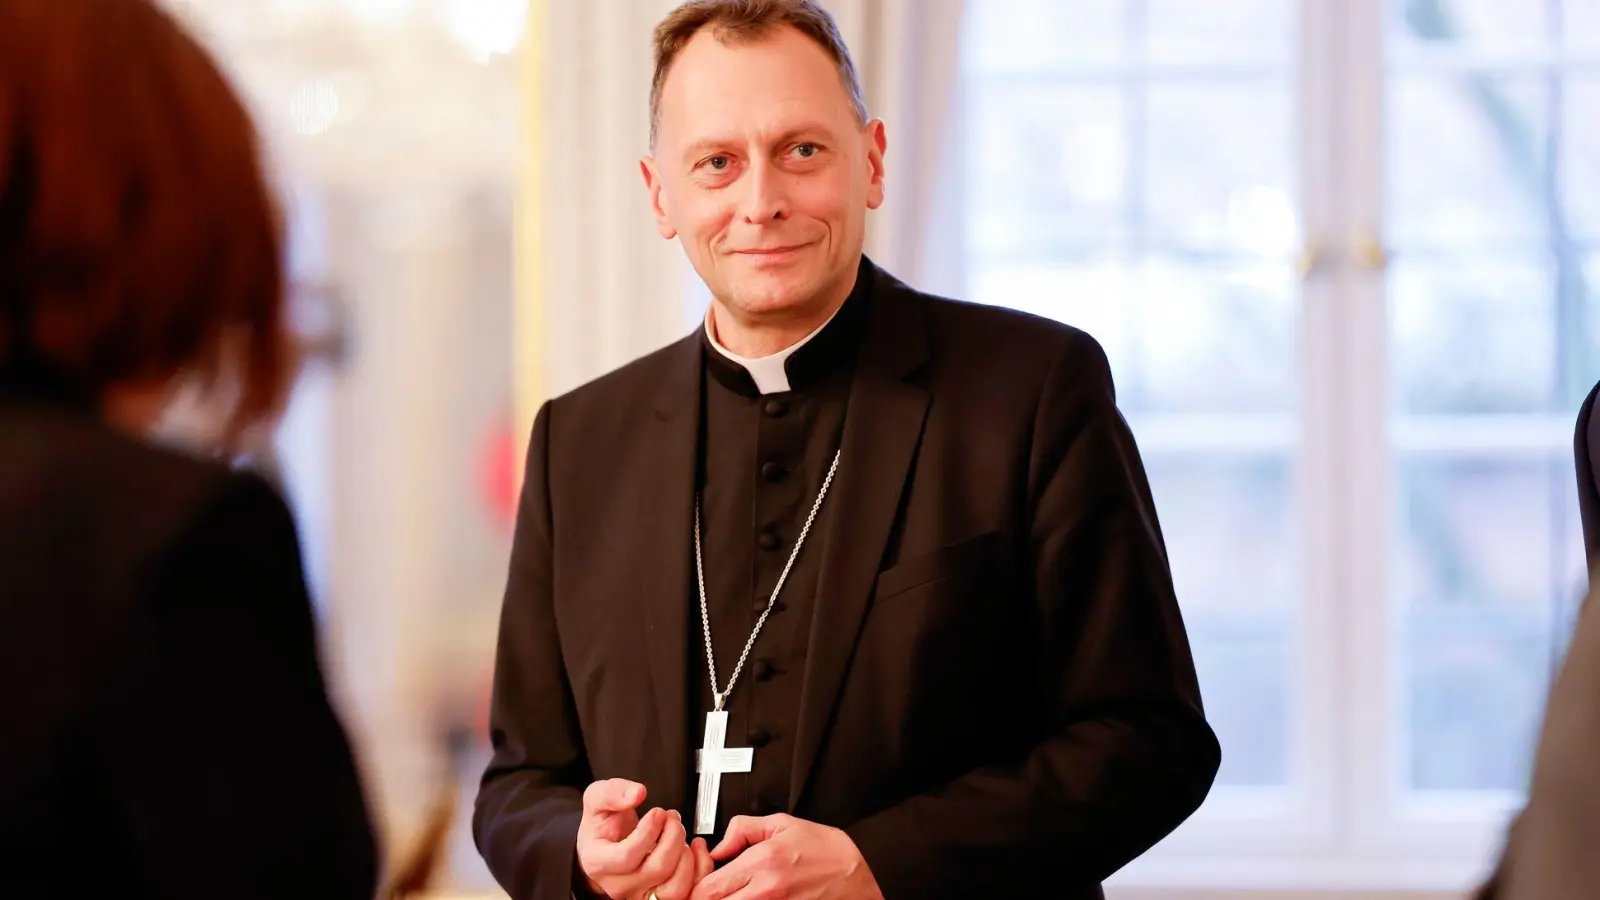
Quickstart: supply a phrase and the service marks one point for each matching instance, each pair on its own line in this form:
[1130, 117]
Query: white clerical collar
[768, 372]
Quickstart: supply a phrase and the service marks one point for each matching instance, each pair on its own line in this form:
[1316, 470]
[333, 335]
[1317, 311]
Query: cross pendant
[712, 761]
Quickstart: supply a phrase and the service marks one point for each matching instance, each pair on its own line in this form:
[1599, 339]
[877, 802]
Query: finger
[660, 863]
[703, 863]
[608, 857]
[744, 831]
[625, 856]
[612, 795]
[609, 827]
[684, 876]
[724, 882]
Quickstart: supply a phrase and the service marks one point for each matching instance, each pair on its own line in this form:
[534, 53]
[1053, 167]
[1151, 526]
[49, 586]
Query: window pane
[1489, 567]
[1228, 525]
[1048, 166]
[1465, 158]
[1580, 24]
[1577, 216]
[1489, 349]
[1043, 35]
[1183, 335]
[1475, 336]
[1228, 31]
[1213, 339]
[1220, 166]
[1477, 26]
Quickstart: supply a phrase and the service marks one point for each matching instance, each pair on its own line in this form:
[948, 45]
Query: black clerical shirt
[762, 461]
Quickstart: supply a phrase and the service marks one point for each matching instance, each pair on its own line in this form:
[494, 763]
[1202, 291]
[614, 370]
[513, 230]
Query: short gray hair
[736, 21]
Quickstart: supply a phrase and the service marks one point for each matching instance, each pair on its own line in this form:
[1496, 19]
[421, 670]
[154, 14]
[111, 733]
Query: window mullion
[1369, 742]
[1322, 720]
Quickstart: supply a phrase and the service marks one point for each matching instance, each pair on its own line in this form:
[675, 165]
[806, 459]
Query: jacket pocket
[964, 557]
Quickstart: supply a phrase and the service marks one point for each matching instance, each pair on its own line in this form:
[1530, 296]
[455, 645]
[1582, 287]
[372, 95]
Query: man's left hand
[781, 856]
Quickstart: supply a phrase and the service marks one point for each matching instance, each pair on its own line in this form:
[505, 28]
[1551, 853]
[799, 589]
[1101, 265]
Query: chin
[768, 293]
[770, 303]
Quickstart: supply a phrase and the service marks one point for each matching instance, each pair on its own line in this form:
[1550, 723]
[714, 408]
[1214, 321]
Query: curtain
[908, 54]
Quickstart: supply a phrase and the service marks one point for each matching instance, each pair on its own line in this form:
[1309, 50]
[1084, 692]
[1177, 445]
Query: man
[862, 585]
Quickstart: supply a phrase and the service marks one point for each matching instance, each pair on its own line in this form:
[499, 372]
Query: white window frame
[1345, 824]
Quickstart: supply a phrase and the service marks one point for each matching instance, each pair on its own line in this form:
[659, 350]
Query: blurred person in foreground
[862, 587]
[167, 731]
[1550, 851]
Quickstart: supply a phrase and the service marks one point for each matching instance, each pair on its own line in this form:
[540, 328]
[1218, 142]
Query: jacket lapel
[662, 565]
[883, 427]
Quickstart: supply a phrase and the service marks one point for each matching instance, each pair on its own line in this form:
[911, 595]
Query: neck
[754, 337]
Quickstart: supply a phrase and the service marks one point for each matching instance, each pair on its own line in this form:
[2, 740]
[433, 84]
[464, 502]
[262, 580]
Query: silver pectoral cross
[711, 761]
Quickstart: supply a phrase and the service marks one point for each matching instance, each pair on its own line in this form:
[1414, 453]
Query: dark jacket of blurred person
[165, 730]
[1586, 444]
[1550, 852]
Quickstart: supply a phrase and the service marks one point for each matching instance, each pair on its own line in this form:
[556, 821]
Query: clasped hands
[624, 856]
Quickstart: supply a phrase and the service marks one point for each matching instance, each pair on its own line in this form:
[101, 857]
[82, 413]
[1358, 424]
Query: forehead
[765, 84]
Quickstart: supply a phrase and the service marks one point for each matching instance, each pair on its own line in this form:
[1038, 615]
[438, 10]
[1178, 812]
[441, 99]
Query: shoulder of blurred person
[79, 494]
[173, 724]
[1549, 852]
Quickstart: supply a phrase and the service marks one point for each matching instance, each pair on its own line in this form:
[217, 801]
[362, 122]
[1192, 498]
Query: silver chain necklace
[719, 697]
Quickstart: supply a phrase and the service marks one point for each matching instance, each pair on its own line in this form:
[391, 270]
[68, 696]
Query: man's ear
[652, 184]
[876, 146]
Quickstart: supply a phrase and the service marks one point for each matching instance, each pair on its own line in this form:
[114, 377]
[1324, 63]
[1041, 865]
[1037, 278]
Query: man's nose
[767, 200]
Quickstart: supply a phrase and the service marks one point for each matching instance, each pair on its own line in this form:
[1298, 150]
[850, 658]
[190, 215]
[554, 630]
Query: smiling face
[765, 174]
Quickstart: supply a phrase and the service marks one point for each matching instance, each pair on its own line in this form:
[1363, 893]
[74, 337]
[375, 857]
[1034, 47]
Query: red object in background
[500, 476]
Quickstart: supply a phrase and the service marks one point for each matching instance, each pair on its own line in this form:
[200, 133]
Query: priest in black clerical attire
[854, 592]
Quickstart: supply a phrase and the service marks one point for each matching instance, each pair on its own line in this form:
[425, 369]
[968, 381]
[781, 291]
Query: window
[1490, 355]
[1338, 253]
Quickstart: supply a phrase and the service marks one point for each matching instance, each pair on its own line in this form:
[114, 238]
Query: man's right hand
[624, 857]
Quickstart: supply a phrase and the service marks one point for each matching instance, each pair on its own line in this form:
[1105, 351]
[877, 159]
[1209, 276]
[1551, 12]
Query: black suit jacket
[998, 697]
[166, 731]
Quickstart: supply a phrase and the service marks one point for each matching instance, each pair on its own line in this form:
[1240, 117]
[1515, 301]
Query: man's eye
[718, 163]
[806, 151]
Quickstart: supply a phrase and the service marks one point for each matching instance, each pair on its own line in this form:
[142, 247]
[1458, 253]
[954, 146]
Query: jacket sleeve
[1125, 753]
[231, 771]
[531, 797]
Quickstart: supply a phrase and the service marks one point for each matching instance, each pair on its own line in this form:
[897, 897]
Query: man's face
[763, 170]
